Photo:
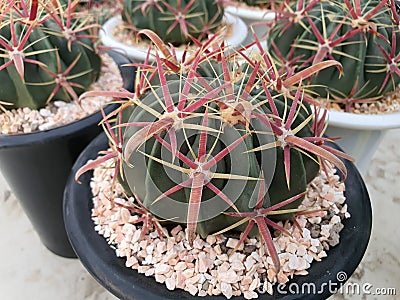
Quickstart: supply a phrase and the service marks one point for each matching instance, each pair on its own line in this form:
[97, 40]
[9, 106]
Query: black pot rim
[110, 271]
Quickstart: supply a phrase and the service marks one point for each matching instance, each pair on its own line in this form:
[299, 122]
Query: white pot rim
[251, 14]
[364, 121]
[239, 33]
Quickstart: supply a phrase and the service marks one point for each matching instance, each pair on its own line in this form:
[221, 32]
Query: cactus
[47, 54]
[361, 35]
[206, 151]
[175, 21]
[100, 10]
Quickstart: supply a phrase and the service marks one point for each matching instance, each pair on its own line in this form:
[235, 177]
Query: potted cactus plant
[218, 143]
[179, 22]
[363, 36]
[48, 54]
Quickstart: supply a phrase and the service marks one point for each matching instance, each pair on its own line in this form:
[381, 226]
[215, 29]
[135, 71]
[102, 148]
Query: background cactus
[47, 53]
[174, 20]
[207, 150]
[100, 10]
[361, 35]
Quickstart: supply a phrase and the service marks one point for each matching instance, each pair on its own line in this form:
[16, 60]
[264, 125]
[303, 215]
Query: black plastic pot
[110, 271]
[37, 165]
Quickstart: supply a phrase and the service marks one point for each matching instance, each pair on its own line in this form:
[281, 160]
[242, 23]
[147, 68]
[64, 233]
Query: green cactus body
[101, 10]
[198, 18]
[364, 65]
[89, 61]
[15, 91]
[47, 46]
[148, 178]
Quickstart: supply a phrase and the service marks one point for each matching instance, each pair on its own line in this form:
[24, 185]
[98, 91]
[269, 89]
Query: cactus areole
[47, 54]
[362, 35]
[175, 21]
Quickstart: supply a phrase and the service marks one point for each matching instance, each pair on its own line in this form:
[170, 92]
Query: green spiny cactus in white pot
[48, 58]
[363, 36]
[182, 23]
[215, 143]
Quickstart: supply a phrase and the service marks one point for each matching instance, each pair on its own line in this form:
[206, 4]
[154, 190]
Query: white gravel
[210, 267]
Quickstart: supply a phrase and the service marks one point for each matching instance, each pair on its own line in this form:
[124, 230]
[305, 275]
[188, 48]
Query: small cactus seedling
[175, 21]
[362, 35]
[206, 151]
[46, 53]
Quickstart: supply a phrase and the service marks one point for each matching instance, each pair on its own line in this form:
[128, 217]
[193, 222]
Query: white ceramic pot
[361, 134]
[239, 33]
[251, 17]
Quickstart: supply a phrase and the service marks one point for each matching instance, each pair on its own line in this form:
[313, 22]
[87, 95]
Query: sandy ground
[30, 271]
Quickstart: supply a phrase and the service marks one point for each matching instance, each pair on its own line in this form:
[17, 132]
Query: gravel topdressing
[210, 267]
